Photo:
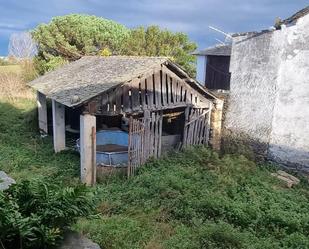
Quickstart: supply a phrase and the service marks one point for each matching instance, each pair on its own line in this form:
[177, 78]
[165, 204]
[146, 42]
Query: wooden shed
[213, 67]
[151, 99]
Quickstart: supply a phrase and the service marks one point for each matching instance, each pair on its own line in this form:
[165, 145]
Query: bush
[35, 214]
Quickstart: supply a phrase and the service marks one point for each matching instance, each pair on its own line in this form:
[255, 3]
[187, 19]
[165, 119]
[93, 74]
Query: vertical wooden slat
[185, 132]
[185, 94]
[163, 88]
[192, 126]
[177, 97]
[130, 148]
[160, 133]
[195, 127]
[156, 134]
[150, 91]
[168, 90]
[208, 127]
[104, 102]
[201, 129]
[143, 93]
[135, 94]
[174, 90]
[157, 89]
[205, 131]
[147, 133]
[111, 100]
[126, 97]
[153, 120]
[118, 96]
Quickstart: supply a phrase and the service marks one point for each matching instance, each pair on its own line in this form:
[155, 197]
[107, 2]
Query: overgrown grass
[197, 200]
[11, 69]
[188, 200]
[23, 153]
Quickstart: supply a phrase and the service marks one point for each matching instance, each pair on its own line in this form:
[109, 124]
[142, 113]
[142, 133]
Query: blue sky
[190, 16]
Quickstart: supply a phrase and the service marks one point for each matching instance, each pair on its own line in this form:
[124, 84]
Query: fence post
[88, 149]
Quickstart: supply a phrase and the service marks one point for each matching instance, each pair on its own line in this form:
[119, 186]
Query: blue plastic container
[111, 158]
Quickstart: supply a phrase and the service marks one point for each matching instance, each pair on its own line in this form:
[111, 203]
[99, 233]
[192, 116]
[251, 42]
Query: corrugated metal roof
[218, 50]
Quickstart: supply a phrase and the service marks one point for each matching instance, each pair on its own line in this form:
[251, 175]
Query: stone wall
[268, 102]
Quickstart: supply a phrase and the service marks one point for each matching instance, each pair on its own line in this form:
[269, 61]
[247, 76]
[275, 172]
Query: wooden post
[42, 113]
[58, 126]
[185, 132]
[88, 149]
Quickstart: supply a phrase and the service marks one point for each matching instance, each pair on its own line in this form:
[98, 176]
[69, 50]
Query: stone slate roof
[218, 50]
[81, 80]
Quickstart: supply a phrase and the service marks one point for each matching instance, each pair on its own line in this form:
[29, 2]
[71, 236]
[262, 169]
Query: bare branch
[22, 46]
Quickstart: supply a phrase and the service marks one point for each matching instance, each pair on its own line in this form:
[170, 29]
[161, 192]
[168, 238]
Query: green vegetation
[193, 199]
[35, 214]
[47, 198]
[24, 154]
[153, 41]
[67, 38]
[197, 200]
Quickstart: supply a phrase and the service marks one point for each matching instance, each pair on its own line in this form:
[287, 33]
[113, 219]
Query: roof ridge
[126, 56]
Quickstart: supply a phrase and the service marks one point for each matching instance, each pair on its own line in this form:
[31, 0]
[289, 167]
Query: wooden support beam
[42, 113]
[58, 126]
[88, 149]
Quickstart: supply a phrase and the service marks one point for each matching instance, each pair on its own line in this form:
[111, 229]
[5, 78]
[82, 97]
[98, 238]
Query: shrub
[35, 214]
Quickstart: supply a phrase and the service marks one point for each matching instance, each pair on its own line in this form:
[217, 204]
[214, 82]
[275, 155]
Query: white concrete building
[268, 101]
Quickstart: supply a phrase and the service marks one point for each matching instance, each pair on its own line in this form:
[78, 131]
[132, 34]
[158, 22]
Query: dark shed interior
[217, 72]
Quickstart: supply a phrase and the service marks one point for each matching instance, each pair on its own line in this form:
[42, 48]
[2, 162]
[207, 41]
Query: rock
[5, 181]
[73, 240]
[288, 179]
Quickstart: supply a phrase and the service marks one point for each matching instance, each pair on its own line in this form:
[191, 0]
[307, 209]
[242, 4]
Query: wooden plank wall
[135, 148]
[144, 139]
[197, 125]
[159, 90]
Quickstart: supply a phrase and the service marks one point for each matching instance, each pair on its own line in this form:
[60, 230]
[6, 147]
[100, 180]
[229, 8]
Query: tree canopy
[67, 38]
[153, 41]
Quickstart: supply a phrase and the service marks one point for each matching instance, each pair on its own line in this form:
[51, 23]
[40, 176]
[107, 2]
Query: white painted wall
[289, 141]
[201, 69]
[269, 98]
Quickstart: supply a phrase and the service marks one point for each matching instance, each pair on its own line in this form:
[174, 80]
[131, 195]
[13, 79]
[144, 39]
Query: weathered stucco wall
[254, 67]
[289, 141]
[269, 97]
